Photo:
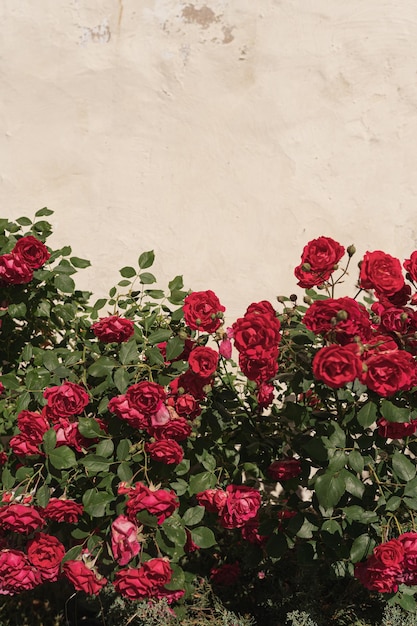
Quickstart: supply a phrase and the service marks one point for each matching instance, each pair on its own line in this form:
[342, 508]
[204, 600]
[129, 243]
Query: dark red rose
[262, 308]
[187, 405]
[226, 575]
[394, 320]
[190, 546]
[83, 578]
[203, 311]
[265, 395]
[22, 446]
[285, 469]
[389, 372]
[62, 510]
[20, 518]
[160, 502]
[146, 582]
[165, 451]
[410, 266]
[16, 573]
[14, 270]
[337, 365]
[113, 329]
[190, 383]
[390, 553]
[259, 364]
[409, 543]
[318, 260]
[146, 396]
[242, 504]
[250, 533]
[213, 500]
[256, 329]
[65, 400]
[178, 429]
[377, 577]
[32, 425]
[381, 272]
[203, 361]
[396, 430]
[340, 320]
[46, 552]
[32, 251]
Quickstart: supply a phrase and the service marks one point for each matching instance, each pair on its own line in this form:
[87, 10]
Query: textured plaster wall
[224, 134]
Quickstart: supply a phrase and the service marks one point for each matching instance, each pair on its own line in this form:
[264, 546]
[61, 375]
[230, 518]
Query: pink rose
[113, 329]
[242, 504]
[14, 270]
[121, 406]
[16, 573]
[124, 540]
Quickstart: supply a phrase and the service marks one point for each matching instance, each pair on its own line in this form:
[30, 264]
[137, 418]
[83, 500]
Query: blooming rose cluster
[391, 564]
[235, 506]
[256, 336]
[159, 502]
[147, 581]
[17, 266]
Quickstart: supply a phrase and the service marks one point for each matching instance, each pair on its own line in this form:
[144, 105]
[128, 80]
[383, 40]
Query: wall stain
[97, 34]
[204, 17]
[227, 34]
[119, 21]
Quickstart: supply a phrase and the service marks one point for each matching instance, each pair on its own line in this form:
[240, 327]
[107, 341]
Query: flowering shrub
[137, 454]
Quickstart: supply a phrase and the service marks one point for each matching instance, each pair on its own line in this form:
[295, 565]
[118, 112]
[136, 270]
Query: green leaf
[50, 360]
[22, 402]
[337, 436]
[157, 294]
[154, 356]
[353, 485]
[128, 272]
[193, 515]
[367, 414]
[124, 472]
[200, 482]
[407, 602]
[146, 259]
[411, 488]
[146, 278]
[49, 441]
[95, 463]
[174, 531]
[105, 448]
[332, 527]
[123, 449]
[24, 221]
[174, 348]
[99, 304]
[62, 457]
[329, 489]
[203, 537]
[80, 263]
[356, 513]
[7, 480]
[103, 366]
[95, 502]
[177, 579]
[403, 467]
[43, 212]
[128, 352]
[361, 547]
[393, 503]
[89, 428]
[121, 379]
[176, 283]
[17, 311]
[64, 283]
[355, 461]
[43, 495]
[160, 335]
[37, 379]
[10, 381]
[72, 554]
[393, 413]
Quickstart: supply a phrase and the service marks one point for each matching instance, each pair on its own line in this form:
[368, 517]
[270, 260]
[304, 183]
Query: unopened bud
[306, 267]
[281, 299]
[404, 317]
[307, 300]
[351, 250]
[293, 297]
[341, 315]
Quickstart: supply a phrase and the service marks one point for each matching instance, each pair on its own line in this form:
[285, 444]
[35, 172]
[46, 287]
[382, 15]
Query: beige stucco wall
[223, 134]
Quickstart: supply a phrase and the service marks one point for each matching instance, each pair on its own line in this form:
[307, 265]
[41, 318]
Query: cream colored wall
[224, 135]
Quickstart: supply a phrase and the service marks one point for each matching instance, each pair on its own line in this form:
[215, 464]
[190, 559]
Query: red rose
[389, 372]
[390, 553]
[203, 311]
[285, 469]
[337, 365]
[382, 272]
[394, 320]
[46, 552]
[121, 406]
[256, 329]
[146, 582]
[340, 320]
[20, 518]
[178, 429]
[225, 575]
[203, 361]
[410, 266]
[83, 578]
[242, 504]
[213, 500]
[65, 400]
[265, 395]
[14, 270]
[32, 251]
[190, 383]
[250, 533]
[263, 308]
[259, 364]
[318, 260]
[16, 573]
[67, 434]
[146, 396]
[32, 425]
[160, 502]
[22, 446]
[187, 405]
[396, 430]
[61, 510]
[376, 577]
[124, 540]
[113, 329]
[409, 543]
[165, 451]
[1, 387]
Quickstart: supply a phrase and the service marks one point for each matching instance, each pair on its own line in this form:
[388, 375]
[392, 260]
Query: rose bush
[145, 443]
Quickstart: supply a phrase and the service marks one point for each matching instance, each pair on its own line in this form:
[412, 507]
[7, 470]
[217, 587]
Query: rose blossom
[46, 552]
[318, 260]
[160, 502]
[178, 429]
[285, 469]
[165, 451]
[337, 365]
[63, 510]
[113, 329]
[259, 364]
[121, 406]
[14, 270]
[146, 396]
[83, 577]
[409, 543]
[65, 400]
[381, 272]
[203, 311]
[396, 430]
[256, 329]
[32, 251]
[203, 361]
[389, 372]
[376, 577]
[16, 573]
[242, 504]
[124, 540]
[213, 500]
[225, 575]
[265, 395]
[390, 553]
[340, 319]
[410, 266]
[20, 518]
[146, 582]
[187, 405]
